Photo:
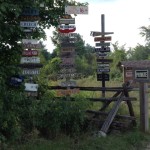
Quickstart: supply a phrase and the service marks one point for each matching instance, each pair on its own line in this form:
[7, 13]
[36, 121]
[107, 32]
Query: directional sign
[103, 76]
[101, 54]
[68, 92]
[68, 60]
[67, 45]
[102, 44]
[67, 65]
[67, 21]
[67, 34]
[104, 60]
[103, 70]
[31, 87]
[105, 49]
[68, 83]
[67, 40]
[95, 33]
[72, 70]
[68, 49]
[69, 75]
[30, 60]
[67, 54]
[31, 41]
[29, 18]
[30, 71]
[106, 38]
[30, 12]
[31, 65]
[66, 28]
[30, 24]
[30, 53]
[102, 65]
[31, 46]
[76, 10]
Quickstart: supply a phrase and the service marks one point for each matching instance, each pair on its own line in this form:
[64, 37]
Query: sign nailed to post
[142, 75]
[106, 38]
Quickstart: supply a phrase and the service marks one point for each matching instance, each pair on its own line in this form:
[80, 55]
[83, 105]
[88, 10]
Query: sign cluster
[67, 39]
[30, 62]
[102, 50]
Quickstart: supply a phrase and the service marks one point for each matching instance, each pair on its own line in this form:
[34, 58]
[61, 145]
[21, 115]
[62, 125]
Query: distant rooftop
[136, 63]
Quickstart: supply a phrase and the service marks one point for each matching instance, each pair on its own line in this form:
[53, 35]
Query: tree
[118, 55]
[15, 108]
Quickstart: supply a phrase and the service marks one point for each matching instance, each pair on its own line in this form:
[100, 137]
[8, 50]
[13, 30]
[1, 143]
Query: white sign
[30, 60]
[32, 41]
[30, 24]
[31, 71]
[68, 83]
[95, 33]
[76, 10]
[68, 34]
[67, 21]
[141, 74]
[31, 87]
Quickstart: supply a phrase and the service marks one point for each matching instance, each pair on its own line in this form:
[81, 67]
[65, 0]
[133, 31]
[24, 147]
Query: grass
[134, 140]
[131, 140]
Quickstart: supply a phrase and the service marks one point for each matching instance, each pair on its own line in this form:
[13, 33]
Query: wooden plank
[111, 115]
[106, 114]
[111, 89]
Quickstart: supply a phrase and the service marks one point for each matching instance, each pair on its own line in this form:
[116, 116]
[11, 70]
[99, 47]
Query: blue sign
[16, 80]
[30, 12]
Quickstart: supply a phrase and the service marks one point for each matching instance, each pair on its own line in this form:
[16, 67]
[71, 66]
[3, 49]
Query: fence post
[144, 120]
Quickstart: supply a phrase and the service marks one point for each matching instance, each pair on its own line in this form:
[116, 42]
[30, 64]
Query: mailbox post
[143, 76]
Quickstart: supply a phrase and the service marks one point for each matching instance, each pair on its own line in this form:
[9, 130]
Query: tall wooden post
[144, 120]
[103, 30]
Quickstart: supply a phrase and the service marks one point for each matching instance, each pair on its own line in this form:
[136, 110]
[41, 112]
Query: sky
[123, 17]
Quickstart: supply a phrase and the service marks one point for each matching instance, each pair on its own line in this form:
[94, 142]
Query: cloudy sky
[123, 17]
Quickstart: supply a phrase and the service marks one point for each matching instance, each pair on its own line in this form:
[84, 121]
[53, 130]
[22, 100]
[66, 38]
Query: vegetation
[28, 119]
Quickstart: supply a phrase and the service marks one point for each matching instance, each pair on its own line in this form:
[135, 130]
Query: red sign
[66, 28]
[30, 53]
[106, 38]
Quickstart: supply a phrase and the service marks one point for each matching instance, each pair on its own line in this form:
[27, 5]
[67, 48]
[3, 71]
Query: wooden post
[144, 120]
[103, 30]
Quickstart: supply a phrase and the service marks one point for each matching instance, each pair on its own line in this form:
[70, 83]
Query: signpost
[102, 52]
[142, 75]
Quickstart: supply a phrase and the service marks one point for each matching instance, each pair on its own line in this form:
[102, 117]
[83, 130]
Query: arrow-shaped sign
[95, 33]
